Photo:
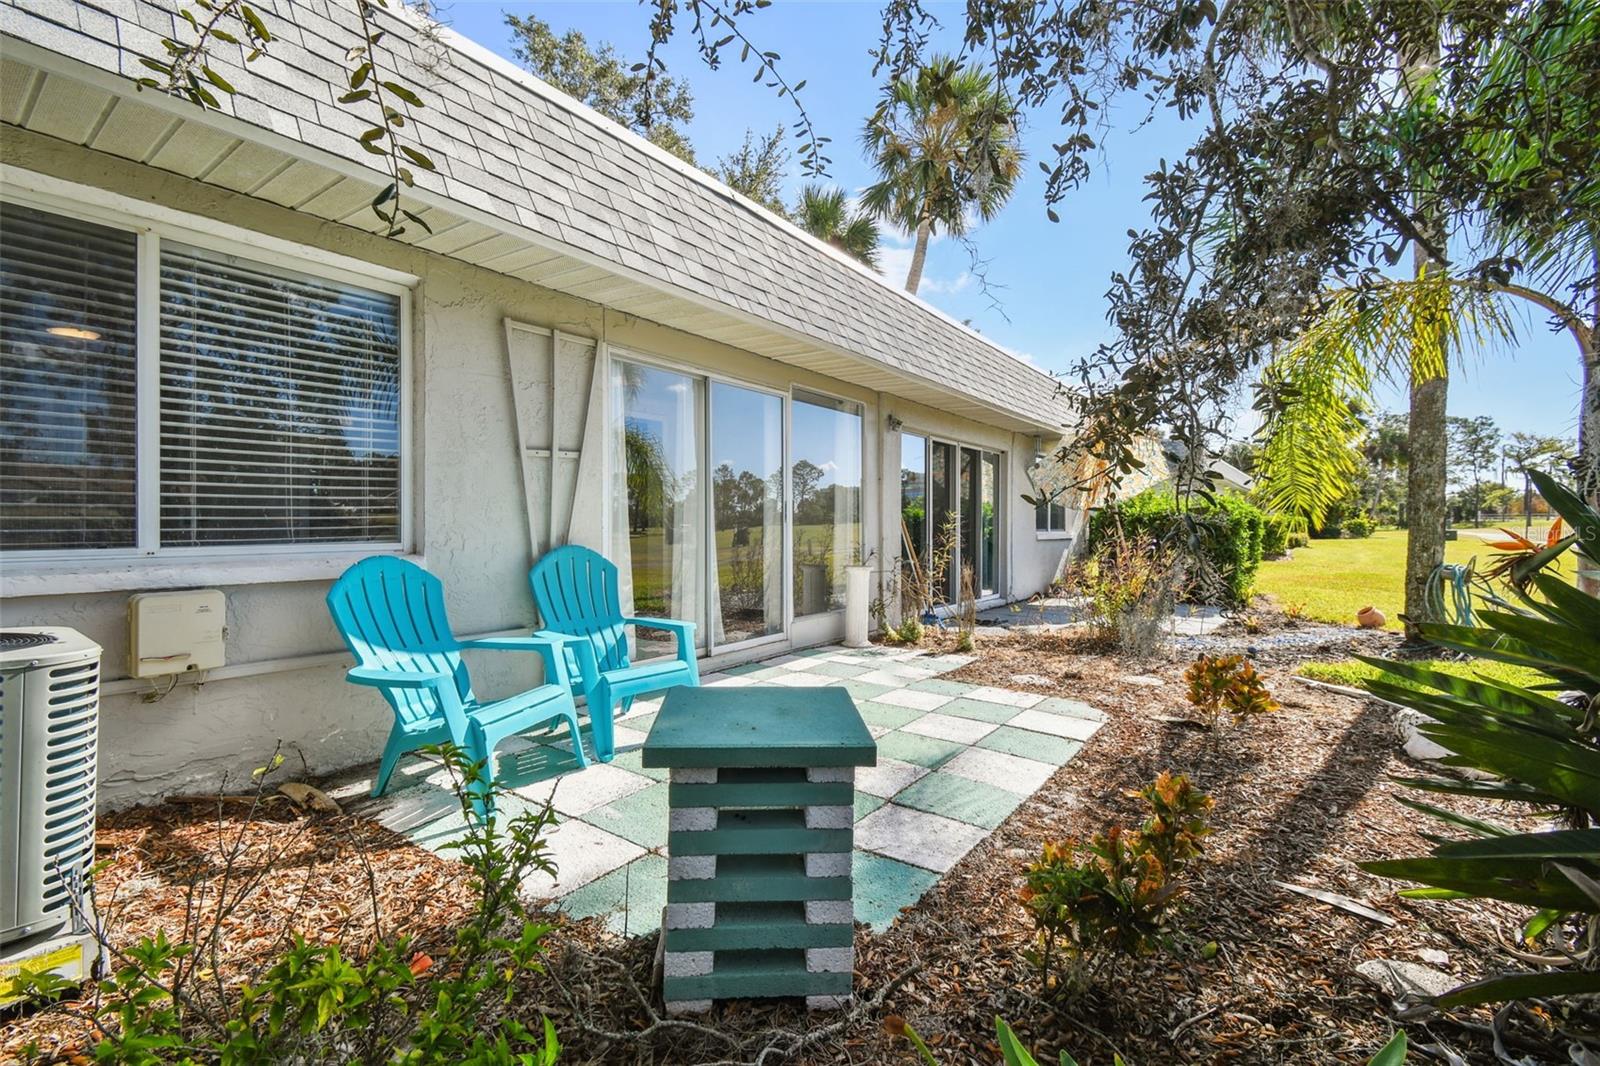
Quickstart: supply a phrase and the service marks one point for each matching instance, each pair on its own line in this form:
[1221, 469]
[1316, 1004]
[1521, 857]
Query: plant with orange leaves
[1228, 684]
[1113, 894]
[1518, 558]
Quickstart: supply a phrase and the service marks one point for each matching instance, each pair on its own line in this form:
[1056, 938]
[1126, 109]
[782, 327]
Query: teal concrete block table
[760, 833]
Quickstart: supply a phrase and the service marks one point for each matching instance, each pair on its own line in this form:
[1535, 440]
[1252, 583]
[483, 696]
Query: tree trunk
[1425, 491]
[919, 256]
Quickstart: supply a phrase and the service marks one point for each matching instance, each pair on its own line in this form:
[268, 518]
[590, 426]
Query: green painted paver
[634, 760]
[631, 896]
[641, 817]
[640, 723]
[883, 886]
[759, 726]
[888, 715]
[844, 670]
[972, 802]
[1031, 745]
[1071, 708]
[942, 687]
[865, 690]
[866, 804]
[744, 668]
[981, 711]
[924, 751]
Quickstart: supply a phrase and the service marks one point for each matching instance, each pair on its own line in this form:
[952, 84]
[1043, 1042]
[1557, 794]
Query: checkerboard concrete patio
[953, 761]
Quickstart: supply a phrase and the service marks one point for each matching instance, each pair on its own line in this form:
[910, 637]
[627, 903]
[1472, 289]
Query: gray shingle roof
[510, 145]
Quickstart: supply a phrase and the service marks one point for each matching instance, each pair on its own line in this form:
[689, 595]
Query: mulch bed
[1300, 797]
[255, 872]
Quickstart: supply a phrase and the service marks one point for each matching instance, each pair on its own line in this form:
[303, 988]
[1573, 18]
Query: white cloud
[894, 263]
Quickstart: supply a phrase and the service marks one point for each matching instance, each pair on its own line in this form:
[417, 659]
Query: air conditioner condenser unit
[49, 728]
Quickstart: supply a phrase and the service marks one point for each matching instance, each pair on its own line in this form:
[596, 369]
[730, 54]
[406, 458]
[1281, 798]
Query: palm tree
[944, 141]
[825, 214]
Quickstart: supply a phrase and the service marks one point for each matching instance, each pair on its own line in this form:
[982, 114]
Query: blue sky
[1051, 278]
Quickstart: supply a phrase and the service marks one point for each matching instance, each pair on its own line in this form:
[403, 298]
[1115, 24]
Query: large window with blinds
[157, 396]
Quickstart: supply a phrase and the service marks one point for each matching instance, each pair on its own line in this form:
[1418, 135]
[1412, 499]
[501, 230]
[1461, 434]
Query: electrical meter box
[176, 632]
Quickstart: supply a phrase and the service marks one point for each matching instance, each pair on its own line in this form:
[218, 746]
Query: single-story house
[216, 373]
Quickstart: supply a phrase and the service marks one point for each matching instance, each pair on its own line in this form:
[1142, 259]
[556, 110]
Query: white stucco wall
[470, 522]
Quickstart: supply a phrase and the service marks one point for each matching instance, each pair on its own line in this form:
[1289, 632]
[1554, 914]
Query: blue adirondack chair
[575, 589]
[391, 615]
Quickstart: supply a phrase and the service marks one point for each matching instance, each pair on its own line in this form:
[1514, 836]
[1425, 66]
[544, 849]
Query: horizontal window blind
[280, 405]
[67, 383]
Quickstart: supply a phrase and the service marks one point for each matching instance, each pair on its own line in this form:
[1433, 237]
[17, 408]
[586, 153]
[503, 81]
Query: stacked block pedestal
[759, 843]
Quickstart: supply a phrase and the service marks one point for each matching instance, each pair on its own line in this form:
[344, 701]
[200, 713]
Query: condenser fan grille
[16, 640]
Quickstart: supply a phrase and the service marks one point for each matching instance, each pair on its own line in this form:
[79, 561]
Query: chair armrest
[380, 678]
[582, 652]
[674, 624]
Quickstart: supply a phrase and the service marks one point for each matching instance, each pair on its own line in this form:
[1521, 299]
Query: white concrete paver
[1019, 776]
[1004, 696]
[913, 698]
[946, 727]
[916, 837]
[578, 793]
[1059, 725]
[888, 777]
[581, 853]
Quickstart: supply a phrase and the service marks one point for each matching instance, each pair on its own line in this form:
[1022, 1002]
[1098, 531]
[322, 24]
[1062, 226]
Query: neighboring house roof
[519, 158]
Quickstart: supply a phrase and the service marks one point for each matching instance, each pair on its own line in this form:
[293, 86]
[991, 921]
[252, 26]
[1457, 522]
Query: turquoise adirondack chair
[391, 615]
[575, 589]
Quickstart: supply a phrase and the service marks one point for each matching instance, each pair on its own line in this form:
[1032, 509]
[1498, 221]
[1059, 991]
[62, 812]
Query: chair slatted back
[391, 615]
[575, 589]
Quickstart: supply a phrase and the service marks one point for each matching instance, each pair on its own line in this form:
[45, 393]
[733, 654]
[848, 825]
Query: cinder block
[831, 774]
[820, 1002]
[828, 864]
[826, 960]
[693, 775]
[841, 817]
[691, 867]
[692, 963]
[677, 1007]
[829, 912]
[691, 915]
[692, 819]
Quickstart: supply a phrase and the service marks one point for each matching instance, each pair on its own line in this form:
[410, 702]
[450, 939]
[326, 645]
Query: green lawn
[1352, 673]
[1333, 579]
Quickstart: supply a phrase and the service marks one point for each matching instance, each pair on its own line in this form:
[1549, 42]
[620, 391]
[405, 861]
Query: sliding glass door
[826, 479]
[746, 514]
[950, 498]
[659, 512]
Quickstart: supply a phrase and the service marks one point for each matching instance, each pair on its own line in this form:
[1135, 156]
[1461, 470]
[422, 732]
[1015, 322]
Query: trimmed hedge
[1230, 532]
[1279, 533]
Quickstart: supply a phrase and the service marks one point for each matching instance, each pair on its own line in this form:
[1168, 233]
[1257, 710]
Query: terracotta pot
[1369, 617]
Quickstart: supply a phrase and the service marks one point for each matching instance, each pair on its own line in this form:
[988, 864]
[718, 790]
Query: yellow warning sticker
[69, 960]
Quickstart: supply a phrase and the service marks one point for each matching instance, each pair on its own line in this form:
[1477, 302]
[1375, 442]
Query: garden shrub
[1223, 535]
[1112, 894]
[1279, 532]
[1358, 526]
[1228, 684]
[1130, 591]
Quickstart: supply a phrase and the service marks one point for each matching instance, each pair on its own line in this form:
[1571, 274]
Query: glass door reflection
[746, 593]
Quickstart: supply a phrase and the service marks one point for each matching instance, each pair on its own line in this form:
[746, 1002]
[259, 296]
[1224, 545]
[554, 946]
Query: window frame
[150, 225]
[1048, 531]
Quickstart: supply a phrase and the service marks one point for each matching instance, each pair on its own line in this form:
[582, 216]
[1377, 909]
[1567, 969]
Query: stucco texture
[470, 519]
